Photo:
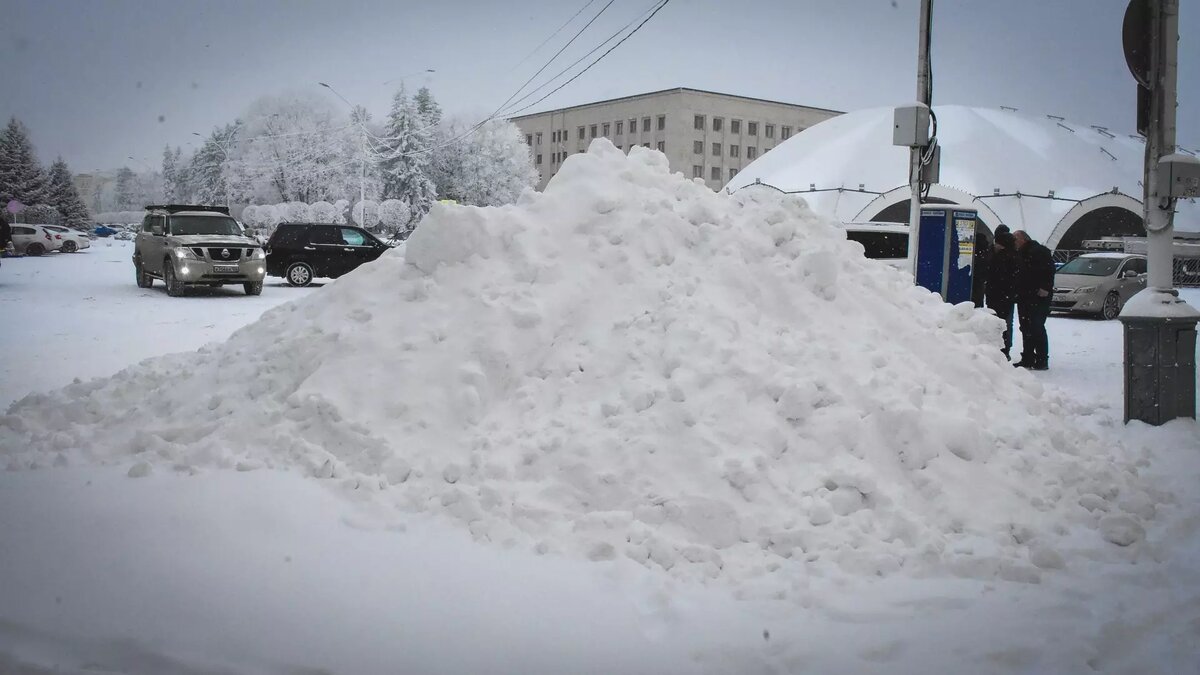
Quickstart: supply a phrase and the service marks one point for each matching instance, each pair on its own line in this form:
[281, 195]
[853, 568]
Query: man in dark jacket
[1002, 282]
[1035, 288]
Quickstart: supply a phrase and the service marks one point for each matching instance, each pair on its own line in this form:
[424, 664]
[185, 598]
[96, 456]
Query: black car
[299, 252]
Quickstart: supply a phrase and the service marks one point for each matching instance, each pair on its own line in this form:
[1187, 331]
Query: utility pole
[918, 144]
[1160, 328]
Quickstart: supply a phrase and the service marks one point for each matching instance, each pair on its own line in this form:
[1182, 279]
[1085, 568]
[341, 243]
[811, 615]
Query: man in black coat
[1002, 282]
[1035, 288]
[5, 233]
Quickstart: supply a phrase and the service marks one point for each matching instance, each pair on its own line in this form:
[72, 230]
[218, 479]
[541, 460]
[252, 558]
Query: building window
[716, 149]
[593, 130]
[645, 124]
[580, 136]
[538, 160]
[770, 130]
[553, 136]
[751, 152]
[662, 146]
[733, 151]
[732, 173]
[645, 145]
[698, 147]
[766, 150]
[735, 126]
[785, 132]
[620, 148]
[662, 122]
[717, 121]
[716, 173]
[528, 139]
[752, 128]
[605, 130]
[697, 171]
[620, 128]
[632, 127]
[698, 123]
[539, 138]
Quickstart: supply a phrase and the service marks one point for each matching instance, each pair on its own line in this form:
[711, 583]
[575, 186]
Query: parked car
[104, 231]
[1098, 283]
[72, 240]
[196, 246]
[34, 240]
[300, 252]
[886, 242]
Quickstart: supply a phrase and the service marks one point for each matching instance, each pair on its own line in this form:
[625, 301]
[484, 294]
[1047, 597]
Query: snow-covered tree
[126, 189]
[406, 157]
[170, 175]
[268, 216]
[322, 212]
[339, 211]
[21, 176]
[428, 108]
[366, 214]
[488, 167]
[65, 196]
[42, 214]
[250, 216]
[294, 212]
[208, 171]
[394, 216]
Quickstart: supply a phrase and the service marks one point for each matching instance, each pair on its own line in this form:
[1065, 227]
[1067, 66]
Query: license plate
[1060, 298]
[225, 269]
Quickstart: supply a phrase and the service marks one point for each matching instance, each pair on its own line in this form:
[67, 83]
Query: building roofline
[674, 90]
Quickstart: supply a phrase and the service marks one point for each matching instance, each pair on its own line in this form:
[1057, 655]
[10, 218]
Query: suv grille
[233, 254]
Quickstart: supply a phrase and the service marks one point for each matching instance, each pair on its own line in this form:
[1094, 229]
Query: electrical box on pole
[1178, 177]
[911, 126]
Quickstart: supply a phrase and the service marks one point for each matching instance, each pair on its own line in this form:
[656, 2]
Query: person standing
[1002, 282]
[5, 234]
[1035, 288]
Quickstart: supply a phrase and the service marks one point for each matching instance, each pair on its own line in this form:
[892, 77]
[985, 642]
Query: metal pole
[924, 95]
[1161, 140]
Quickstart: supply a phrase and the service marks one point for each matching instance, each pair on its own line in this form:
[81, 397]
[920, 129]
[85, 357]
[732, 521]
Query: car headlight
[185, 253]
[258, 254]
[1085, 289]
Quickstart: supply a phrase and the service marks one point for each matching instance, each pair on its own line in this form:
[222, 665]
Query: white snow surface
[630, 365]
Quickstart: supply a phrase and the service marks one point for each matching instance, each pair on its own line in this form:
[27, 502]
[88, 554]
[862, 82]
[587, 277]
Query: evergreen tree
[427, 107]
[207, 170]
[170, 174]
[405, 161]
[65, 196]
[21, 176]
[125, 189]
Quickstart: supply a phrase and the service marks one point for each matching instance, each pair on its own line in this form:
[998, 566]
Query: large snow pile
[632, 365]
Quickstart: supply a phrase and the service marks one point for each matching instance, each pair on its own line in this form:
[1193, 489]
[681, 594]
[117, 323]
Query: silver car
[1098, 283]
[196, 246]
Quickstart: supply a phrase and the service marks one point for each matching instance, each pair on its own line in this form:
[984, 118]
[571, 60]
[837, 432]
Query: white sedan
[72, 240]
[34, 239]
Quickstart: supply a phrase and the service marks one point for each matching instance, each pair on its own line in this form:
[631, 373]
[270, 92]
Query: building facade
[704, 134]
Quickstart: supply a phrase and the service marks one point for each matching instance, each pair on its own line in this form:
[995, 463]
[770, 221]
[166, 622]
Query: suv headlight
[185, 253]
[258, 254]
[1085, 289]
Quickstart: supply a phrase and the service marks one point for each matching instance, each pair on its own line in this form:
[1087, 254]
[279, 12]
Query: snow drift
[630, 365]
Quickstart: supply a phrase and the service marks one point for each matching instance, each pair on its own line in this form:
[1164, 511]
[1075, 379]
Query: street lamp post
[362, 180]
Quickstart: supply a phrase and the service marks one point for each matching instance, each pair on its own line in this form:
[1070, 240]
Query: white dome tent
[1060, 181]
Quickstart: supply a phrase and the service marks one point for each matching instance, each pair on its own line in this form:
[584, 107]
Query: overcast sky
[98, 81]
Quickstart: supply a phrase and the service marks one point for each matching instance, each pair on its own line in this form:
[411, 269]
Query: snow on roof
[1024, 158]
[1107, 254]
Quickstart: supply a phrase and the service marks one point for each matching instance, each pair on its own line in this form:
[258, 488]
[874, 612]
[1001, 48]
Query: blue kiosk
[946, 250]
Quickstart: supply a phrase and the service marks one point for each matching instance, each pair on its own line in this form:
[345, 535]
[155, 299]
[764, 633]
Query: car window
[352, 237]
[324, 235]
[285, 236]
[183, 225]
[1137, 265]
[22, 230]
[1092, 267]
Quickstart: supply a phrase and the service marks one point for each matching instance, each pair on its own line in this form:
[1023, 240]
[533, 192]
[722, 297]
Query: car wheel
[35, 249]
[143, 280]
[299, 274]
[1111, 307]
[253, 287]
[69, 247]
[174, 288]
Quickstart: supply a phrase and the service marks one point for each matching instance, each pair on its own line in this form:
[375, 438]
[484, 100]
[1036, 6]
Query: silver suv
[1098, 283]
[196, 246]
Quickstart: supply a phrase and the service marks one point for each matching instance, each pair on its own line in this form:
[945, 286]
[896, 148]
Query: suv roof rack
[176, 208]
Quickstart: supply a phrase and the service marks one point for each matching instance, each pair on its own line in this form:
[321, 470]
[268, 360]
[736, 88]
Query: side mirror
[1129, 274]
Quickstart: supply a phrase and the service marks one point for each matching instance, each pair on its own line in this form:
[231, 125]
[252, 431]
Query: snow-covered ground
[210, 561]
